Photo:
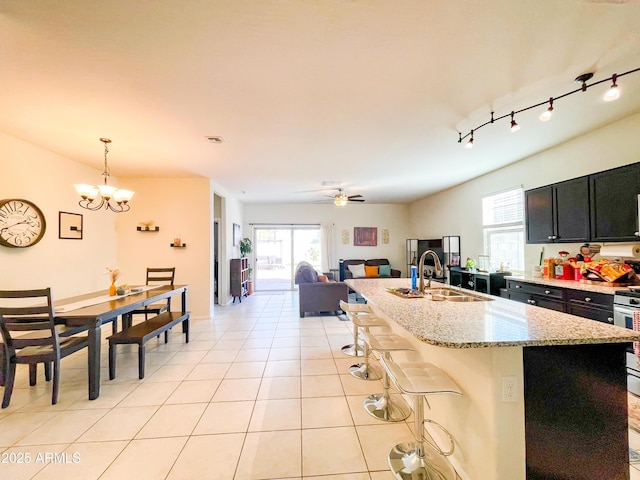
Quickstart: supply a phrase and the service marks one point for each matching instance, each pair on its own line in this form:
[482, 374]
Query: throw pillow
[357, 270]
[323, 278]
[371, 271]
[384, 270]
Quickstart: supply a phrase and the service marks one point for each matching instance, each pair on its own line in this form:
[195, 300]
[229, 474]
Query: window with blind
[503, 226]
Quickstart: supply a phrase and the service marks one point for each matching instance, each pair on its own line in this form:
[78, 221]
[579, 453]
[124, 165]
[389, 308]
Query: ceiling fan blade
[354, 196]
[356, 199]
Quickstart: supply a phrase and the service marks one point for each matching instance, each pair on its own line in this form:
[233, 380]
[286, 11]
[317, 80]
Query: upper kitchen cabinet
[615, 203]
[558, 213]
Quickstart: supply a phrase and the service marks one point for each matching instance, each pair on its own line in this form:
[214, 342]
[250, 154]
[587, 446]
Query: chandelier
[94, 197]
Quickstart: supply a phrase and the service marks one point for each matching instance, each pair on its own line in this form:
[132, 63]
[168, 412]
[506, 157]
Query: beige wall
[70, 267]
[383, 216]
[179, 207]
[458, 211]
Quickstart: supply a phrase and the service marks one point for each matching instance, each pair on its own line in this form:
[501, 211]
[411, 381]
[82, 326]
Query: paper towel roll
[620, 251]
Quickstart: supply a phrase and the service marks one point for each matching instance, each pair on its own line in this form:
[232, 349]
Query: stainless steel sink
[444, 292]
[460, 298]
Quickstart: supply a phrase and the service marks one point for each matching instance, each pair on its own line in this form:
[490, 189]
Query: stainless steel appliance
[625, 302]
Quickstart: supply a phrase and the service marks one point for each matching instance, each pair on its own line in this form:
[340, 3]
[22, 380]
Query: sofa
[374, 269]
[318, 293]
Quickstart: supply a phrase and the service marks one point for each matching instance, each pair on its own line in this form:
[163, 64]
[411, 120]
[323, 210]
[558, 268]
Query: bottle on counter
[414, 277]
[549, 268]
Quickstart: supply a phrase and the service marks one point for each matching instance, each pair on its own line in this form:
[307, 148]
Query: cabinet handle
[547, 292]
[470, 283]
[610, 319]
[532, 302]
[637, 234]
[518, 286]
[550, 237]
[587, 299]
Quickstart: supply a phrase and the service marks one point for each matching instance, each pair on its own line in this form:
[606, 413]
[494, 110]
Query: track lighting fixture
[546, 115]
[514, 125]
[612, 94]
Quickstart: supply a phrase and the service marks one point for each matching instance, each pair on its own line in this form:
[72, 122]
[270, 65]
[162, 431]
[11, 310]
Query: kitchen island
[566, 417]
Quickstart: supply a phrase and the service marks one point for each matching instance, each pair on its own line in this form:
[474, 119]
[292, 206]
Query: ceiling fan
[341, 199]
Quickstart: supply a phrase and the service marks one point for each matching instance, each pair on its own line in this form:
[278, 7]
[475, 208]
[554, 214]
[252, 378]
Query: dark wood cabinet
[596, 306]
[535, 294]
[614, 197]
[239, 271]
[558, 213]
[483, 282]
[582, 303]
[602, 207]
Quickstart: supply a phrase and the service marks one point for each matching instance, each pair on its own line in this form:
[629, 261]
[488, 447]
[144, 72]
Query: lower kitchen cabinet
[534, 294]
[595, 306]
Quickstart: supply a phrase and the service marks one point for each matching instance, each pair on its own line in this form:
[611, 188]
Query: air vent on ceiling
[215, 139]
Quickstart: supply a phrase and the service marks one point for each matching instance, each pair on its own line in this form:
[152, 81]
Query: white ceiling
[368, 93]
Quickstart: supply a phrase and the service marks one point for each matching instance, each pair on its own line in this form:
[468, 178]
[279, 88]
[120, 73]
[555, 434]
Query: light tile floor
[258, 393]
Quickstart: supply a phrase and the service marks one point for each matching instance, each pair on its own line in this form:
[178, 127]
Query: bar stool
[421, 458]
[354, 349]
[381, 405]
[364, 321]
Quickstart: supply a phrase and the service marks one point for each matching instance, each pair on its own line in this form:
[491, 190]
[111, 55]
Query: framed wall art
[365, 236]
[69, 226]
[236, 235]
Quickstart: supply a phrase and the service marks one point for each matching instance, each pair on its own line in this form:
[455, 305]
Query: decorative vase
[112, 289]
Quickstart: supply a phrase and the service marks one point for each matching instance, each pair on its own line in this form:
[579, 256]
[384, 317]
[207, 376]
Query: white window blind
[503, 208]
[503, 226]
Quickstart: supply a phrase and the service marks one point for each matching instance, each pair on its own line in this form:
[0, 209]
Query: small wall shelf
[182, 245]
[140, 229]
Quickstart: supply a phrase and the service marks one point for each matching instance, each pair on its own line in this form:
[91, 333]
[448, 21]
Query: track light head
[469, 144]
[514, 125]
[614, 91]
[546, 115]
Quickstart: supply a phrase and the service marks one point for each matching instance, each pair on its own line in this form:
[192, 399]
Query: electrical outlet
[509, 389]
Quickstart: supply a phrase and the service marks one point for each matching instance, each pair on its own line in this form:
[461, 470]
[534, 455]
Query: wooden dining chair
[158, 276]
[32, 311]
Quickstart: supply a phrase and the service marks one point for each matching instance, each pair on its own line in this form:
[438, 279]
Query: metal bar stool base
[353, 351]
[364, 372]
[406, 464]
[391, 411]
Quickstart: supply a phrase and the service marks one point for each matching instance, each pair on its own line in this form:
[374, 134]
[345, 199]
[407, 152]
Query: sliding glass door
[279, 249]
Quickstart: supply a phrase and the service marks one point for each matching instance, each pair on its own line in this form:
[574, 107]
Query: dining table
[92, 310]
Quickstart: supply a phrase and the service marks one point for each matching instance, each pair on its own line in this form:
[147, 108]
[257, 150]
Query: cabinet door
[539, 215]
[614, 204]
[571, 211]
[455, 277]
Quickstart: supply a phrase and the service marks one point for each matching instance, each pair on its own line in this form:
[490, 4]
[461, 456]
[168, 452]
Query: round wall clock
[22, 223]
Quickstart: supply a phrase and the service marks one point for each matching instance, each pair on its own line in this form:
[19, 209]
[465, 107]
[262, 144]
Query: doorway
[279, 249]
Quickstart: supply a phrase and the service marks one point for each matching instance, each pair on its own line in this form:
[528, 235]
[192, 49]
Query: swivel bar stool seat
[354, 349]
[420, 459]
[381, 405]
[364, 321]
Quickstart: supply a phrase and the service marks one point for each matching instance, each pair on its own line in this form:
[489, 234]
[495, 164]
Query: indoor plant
[246, 247]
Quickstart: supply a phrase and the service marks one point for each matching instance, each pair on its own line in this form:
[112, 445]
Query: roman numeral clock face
[22, 223]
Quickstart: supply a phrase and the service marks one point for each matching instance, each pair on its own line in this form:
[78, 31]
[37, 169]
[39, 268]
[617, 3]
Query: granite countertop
[496, 323]
[573, 284]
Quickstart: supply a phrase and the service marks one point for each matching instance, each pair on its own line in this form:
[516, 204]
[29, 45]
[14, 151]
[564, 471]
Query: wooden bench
[141, 333]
